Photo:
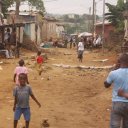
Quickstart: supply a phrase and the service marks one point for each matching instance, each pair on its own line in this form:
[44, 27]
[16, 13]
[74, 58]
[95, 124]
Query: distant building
[59, 30]
[51, 28]
[72, 16]
[108, 29]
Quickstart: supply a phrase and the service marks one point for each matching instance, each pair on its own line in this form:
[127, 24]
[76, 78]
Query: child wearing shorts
[21, 100]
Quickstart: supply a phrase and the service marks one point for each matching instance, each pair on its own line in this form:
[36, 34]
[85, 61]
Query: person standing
[80, 49]
[7, 37]
[13, 43]
[118, 77]
[21, 95]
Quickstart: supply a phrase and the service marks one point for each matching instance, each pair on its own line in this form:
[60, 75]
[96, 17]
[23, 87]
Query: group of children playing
[23, 90]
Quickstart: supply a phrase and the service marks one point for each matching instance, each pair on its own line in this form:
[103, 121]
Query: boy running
[39, 62]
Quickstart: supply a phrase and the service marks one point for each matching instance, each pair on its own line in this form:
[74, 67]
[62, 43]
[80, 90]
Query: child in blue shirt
[21, 101]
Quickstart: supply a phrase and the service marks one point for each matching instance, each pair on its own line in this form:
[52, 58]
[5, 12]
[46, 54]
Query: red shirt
[39, 59]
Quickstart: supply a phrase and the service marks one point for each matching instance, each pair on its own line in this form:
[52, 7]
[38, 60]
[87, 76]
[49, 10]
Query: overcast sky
[73, 6]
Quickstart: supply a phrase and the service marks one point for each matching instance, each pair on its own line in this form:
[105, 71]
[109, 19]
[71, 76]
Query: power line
[50, 0]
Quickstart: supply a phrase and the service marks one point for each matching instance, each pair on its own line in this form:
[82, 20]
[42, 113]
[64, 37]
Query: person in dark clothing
[15, 44]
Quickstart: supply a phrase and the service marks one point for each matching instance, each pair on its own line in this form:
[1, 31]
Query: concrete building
[108, 29]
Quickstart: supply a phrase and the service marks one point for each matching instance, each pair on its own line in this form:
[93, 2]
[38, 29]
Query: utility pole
[1, 14]
[89, 28]
[17, 8]
[125, 14]
[93, 16]
[1, 6]
[103, 39]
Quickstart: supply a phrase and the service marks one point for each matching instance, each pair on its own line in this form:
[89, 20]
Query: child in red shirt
[39, 62]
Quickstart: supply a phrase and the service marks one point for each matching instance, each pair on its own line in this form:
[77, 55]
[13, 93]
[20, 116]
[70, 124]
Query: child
[39, 61]
[21, 102]
[20, 69]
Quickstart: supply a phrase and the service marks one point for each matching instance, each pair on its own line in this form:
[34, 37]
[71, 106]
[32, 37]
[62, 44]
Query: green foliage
[120, 3]
[37, 3]
[115, 14]
[5, 5]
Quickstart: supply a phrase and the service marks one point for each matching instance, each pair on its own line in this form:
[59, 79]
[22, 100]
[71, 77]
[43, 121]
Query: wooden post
[93, 15]
[125, 14]
[103, 39]
[17, 10]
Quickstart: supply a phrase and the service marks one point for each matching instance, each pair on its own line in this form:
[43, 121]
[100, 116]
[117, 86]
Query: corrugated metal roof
[101, 23]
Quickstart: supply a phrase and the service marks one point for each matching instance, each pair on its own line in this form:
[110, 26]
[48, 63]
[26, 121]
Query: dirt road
[70, 97]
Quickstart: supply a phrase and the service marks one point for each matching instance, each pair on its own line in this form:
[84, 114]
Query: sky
[74, 6]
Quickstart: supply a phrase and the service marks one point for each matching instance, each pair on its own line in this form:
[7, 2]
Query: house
[19, 31]
[37, 29]
[17, 39]
[72, 16]
[108, 29]
[32, 27]
[51, 28]
[59, 30]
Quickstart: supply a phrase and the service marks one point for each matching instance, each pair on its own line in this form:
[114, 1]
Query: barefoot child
[20, 69]
[21, 102]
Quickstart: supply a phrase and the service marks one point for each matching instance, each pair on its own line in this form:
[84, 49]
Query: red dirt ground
[70, 98]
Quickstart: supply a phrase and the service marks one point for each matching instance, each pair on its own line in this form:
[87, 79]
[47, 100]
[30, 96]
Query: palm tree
[115, 15]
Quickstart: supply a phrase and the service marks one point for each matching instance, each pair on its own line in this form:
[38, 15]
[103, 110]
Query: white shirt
[80, 46]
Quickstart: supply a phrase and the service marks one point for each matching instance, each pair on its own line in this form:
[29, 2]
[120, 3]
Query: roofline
[11, 25]
[100, 24]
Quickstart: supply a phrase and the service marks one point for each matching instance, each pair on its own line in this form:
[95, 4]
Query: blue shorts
[19, 111]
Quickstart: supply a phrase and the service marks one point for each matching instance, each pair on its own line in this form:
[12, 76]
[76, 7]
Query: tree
[115, 14]
[5, 5]
[37, 3]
